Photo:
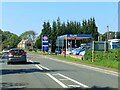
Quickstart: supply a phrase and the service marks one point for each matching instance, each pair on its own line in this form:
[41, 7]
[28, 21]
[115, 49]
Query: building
[25, 44]
[114, 43]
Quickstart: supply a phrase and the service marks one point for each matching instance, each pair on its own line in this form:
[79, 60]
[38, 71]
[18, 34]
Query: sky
[18, 17]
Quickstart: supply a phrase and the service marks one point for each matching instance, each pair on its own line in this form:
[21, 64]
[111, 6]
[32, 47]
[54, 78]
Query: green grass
[108, 59]
[39, 52]
[104, 63]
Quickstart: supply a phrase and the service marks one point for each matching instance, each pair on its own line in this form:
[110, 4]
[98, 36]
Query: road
[43, 72]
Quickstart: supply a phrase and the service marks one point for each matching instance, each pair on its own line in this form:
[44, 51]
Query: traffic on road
[41, 71]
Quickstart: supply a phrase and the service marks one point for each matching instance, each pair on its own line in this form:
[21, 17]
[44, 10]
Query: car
[58, 51]
[69, 51]
[78, 50]
[16, 55]
[4, 54]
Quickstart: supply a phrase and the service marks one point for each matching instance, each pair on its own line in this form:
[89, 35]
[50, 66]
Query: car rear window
[17, 51]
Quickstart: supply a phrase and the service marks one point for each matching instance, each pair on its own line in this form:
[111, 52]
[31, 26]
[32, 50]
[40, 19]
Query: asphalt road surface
[45, 72]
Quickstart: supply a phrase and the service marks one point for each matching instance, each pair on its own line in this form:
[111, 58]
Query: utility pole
[0, 42]
[115, 35]
[107, 33]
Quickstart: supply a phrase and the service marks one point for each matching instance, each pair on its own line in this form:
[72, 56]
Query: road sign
[100, 46]
[45, 43]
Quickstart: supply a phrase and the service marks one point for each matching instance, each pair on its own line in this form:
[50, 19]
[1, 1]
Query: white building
[25, 44]
[114, 43]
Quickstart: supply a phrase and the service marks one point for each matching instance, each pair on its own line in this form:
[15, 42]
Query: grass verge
[107, 59]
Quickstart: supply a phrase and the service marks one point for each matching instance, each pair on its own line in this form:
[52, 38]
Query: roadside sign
[45, 43]
[100, 46]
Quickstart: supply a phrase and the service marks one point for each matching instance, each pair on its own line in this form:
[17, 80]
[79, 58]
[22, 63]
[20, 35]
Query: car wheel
[8, 62]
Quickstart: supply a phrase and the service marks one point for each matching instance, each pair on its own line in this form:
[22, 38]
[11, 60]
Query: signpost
[99, 46]
[45, 43]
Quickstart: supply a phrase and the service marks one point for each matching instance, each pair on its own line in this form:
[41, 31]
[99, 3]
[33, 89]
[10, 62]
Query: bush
[101, 55]
[88, 55]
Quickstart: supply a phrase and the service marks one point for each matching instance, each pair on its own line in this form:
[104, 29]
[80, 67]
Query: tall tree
[58, 27]
[53, 36]
[70, 27]
[95, 29]
[10, 40]
[44, 29]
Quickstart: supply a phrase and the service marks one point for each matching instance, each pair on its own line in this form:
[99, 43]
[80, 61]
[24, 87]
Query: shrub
[113, 55]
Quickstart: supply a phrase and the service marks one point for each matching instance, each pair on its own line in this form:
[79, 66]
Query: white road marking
[63, 79]
[73, 85]
[89, 67]
[74, 81]
[55, 74]
[39, 67]
[31, 61]
[44, 67]
[56, 80]
[59, 82]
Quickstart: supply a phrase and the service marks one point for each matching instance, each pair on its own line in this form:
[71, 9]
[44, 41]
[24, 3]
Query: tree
[9, 40]
[53, 36]
[58, 27]
[38, 42]
[28, 35]
[70, 27]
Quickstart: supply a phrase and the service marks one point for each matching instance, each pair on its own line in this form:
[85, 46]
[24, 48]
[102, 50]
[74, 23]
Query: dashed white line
[56, 80]
[74, 81]
[73, 85]
[39, 67]
[63, 79]
[44, 67]
[55, 74]
[30, 60]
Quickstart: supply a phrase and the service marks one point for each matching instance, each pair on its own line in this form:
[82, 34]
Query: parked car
[77, 51]
[58, 51]
[69, 51]
[16, 55]
[82, 53]
[4, 54]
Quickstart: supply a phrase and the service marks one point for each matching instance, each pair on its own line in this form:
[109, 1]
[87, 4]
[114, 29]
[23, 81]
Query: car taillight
[23, 53]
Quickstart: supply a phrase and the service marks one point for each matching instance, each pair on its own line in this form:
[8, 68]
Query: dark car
[58, 51]
[4, 55]
[16, 55]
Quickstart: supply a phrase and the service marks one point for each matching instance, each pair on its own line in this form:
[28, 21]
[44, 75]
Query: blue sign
[45, 42]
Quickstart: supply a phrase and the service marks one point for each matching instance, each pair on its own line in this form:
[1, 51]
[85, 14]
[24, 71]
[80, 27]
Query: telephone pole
[107, 33]
[0, 42]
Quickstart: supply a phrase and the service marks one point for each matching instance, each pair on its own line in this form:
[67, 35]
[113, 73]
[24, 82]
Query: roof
[114, 40]
[16, 49]
[74, 36]
[24, 41]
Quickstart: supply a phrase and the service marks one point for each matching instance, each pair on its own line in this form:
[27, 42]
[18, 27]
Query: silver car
[16, 55]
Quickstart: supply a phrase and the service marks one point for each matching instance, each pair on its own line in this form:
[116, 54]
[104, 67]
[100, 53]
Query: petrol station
[75, 37]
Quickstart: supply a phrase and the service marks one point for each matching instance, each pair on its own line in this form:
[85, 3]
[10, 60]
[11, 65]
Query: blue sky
[18, 17]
